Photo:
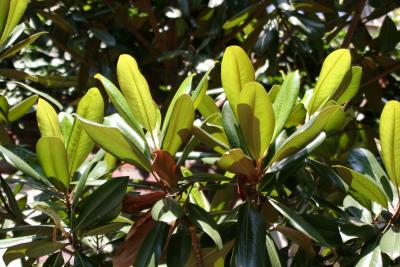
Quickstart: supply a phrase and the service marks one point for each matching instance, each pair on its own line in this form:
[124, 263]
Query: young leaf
[180, 125]
[208, 107]
[101, 202]
[21, 108]
[15, 12]
[250, 243]
[364, 185]
[53, 158]
[285, 100]
[236, 71]
[298, 222]
[111, 140]
[333, 71]
[237, 162]
[164, 166]
[136, 91]
[47, 120]
[349, 90]
[90, 107]
[201, 88]
[390, 142]
[256, 119]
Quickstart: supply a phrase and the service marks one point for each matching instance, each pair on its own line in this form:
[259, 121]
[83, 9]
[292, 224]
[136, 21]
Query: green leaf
[389, 129]
[240, 17]
[256, 119]
[333, 71]
[210, 137]
[236, 161]
[180, 125]
[90, 107]
[66, 121]
[23, 166]
[167, 210]
[15, 12]
[371, 257]
[297, 116]
[21, 108]
[152, 246]
[53, 159]
[182, 242]
[47, 120]
[11, 201]
[205, 222]
[208, 107]
[55, 260]
[101, 202]
[14, 241]
[250, 243]
[137, 93]
[298, 222]
[285, 100]
[4, 6]
[364, 185]
[17, 47]
[390, 243]
[388, 35]
[236, 71]
[273, 254]
[200, 91]
[42, 248]
[211, 256]
[40, 93]
[304, 134]
[120, 104]
[112, 140]
[231, 127]
[349, 87]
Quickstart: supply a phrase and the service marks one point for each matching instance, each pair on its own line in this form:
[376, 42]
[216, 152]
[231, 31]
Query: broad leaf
[236, 71]
[180, 241]
[165, 167]
[390, 243]
[137, 93]
[15, 12]
[250, 243]
[334, 70]
[285, 100]
[53, 159]
[167, 210]
[90, 107]
[364, 185]
[349, 88]
[47, 120]
[371, 257]
[201, 88]
[237, 162]
[256, 118]
[18, 46]
[21, 108]
[180, 125]
[100, 203]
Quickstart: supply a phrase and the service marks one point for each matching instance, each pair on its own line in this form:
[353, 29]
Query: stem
[352, 28]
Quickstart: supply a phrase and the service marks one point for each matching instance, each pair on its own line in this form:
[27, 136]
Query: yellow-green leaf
[256, 118]
[53, 159]
[4, 6]
[112, 141]
[15, 12]
[47, 120]
[90, 107]
[18, 46]
[389, 131]
[350, 87]
[236, 71]
[21, 108]
[334, 70]
[180, 125]
[136, 91]
[237, 162]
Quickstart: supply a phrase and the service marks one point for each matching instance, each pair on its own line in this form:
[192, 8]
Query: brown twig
[353, 26]
[381, 75]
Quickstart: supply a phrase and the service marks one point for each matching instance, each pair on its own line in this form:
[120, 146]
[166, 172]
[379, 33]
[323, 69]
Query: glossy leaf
[54, 161]
[371, 257]
[236, 71]
[364, 185]
[90, 107]
[200, 91]
[256, 118]
[180, 125]
[390, 243]
[250, 243]
[333, 71]
[285, 100]
[47, 120]
[21, 108]
[136, 91]
[18, 46]
[180, 241]
[208, 107]
[237, 162]
[101, 202]
[298, 222]
[15, 12]
[165, 167]
[231, 126]
[112, 140]
[167, 210]
[273, 254]
[40, 93]
[349, 88]
[390, 140]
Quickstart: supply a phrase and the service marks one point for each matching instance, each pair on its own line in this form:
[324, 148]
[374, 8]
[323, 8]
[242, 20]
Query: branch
[381, 75]
[352, 28]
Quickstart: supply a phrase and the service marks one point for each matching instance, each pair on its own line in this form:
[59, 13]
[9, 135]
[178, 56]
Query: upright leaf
[333, 71]
[236, 71]
[348, 89]
[53, 158]
[390, 140]
[47, 120]
[136, 91]
[180, 125]
[256, 118]
[250, 243]
[90, 107]
[15, 12]
[285, 100]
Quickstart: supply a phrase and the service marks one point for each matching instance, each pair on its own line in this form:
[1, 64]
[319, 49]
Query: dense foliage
[123, 141]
